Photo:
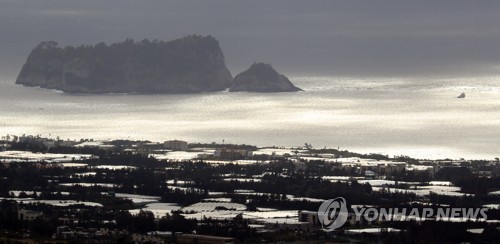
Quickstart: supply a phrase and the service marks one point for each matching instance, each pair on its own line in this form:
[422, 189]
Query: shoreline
[103, 142]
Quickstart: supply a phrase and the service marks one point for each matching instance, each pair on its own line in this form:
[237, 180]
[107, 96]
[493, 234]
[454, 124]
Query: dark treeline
[88, 217]
[278, 177]
[192, 181]
[217, 145]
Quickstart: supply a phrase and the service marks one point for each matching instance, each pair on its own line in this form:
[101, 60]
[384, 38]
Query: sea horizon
[414, 116]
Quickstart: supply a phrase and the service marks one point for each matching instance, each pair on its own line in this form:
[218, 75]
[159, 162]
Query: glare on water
[415, 117]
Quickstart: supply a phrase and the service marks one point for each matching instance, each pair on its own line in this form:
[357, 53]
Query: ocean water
[400, 116]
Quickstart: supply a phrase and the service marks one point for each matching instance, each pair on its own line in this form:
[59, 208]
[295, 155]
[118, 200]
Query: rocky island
[191, 64]
[261, 77]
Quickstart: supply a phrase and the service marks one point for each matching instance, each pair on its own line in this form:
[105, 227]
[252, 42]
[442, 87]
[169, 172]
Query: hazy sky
[343, 38]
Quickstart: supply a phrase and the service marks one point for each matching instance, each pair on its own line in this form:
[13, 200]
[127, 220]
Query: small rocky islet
[261, 77]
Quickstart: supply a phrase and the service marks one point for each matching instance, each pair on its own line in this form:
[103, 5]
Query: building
[66, 143]
[393, 167]
[102, 235]
[28, 215]
[138, 238]
[232, 154]
[310, 217]
[150, 147]
[382, 167]
[176, 145]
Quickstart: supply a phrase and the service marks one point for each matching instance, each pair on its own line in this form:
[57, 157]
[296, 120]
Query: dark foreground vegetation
[276, 182]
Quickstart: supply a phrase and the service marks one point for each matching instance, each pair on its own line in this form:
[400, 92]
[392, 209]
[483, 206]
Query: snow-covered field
[288, 196]
[211, 206]
[74, 165]
[84, 174]
[309, 158]
[106, 185]
[177, 155]
[56, 203]
[184, 188]
[440, 183]
[213, 215]
[30, 193]
[220, 199]
[340, 178]
[492, 206]
[37, 157]
[179, 182]
[138, 199]
[278, 151]
[426, 190]
[273, 216]
[158, 209]
[114, 167]
[64, 203]
[386, 182]
[243, 179]
[371, 230]
[356, 161]
[242, 162]
[377, 182]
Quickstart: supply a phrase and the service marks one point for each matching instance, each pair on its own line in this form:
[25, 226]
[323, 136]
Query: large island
[191, 64]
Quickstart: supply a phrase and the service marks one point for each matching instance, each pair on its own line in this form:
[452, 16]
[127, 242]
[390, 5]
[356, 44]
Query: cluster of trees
[150, 180]
[468, 181]
[218, 145]
[88, 217]
[144, 222]
[281, 177]
[347, 154]
[443, 232]
[184, 197]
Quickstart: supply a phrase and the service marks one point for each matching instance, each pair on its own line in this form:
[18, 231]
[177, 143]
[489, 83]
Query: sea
[416, 117]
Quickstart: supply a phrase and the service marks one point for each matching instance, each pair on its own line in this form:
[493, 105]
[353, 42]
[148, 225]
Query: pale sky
[337, 38]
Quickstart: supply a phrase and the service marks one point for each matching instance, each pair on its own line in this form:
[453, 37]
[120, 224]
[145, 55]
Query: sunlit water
[416, 117]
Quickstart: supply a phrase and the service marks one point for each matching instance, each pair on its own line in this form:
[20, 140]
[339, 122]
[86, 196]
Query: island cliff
[262, 77]
[191, 64]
